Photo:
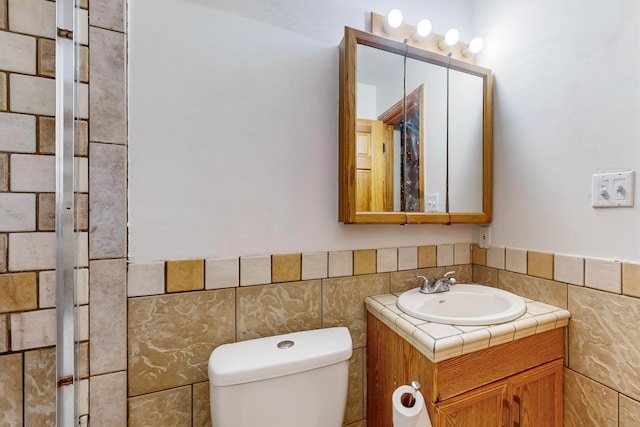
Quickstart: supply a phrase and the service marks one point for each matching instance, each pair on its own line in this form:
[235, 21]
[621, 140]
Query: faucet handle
[424, 279]
[448, 273]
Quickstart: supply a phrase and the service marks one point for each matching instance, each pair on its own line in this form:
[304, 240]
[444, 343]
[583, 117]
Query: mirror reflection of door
[374, 166]
[410, 154]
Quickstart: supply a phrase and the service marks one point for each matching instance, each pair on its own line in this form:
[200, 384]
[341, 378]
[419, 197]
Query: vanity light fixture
[423, 29]
[475, 45]
[393, 21]
[450, 38]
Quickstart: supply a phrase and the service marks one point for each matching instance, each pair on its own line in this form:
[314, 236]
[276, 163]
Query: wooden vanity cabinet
[517, 384]
[532, 398]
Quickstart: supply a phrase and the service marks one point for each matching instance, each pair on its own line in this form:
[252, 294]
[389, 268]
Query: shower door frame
[66, 321]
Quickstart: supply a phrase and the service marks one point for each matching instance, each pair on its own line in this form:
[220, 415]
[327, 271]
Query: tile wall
[27, 214]
[602, 375]
[179, 311]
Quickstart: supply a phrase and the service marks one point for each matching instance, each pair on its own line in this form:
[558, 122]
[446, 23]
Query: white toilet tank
[293, 380]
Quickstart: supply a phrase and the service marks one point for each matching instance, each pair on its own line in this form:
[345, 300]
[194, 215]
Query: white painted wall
[567, 105]
[233, 126]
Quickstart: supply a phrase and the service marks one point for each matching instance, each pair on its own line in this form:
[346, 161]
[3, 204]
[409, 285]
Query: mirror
[415, 135]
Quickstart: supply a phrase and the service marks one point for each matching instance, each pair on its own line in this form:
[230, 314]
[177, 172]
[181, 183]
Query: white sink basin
[463, 305]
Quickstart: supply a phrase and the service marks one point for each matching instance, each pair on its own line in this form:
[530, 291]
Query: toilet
[293, 380]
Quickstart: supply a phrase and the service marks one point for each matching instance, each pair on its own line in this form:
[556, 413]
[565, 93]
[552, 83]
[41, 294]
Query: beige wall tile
[17, 132]
[46, 57]
[3, 14]
[47, 211]
[568, 269]
[603, 274]
[547, 291]
[408, 258]
[540, 264]
[462, 273]
[40, 387]
[33, 173]
[427, 256]
[516, 260]
[485, 276]
[315, 265]
[108, 317]
[4, 172]
[342, 303]
[33, 329]
[145, 279]
[355, 394]
[462, 254]
[478, 255]
[269, 310]
[444, 255]
[168, 348]
[46, 135]
[108, 201]
[404, 280]
[285, 268]
[3, 90]
[185, 275]
[36, 17]
[108, 14]
[169, 408]
[629, 412]
[3, 253]
[255, 270]
[108, 399]
[81, 165]
[4, 333]
[108, 92]
[604, 337]
[17, 212]
[364, 261]
[18, 292]
[32, 95]
[201, 405]
[11, 390]
[32, 251]
[386, 260]
[631, 279]
[496, 258]
[17, 53]
[587, 403]
[340, 263]
[222, 273]
[84, 360]
[83, 397]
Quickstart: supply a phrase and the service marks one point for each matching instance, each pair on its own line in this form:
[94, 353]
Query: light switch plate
[613, 189]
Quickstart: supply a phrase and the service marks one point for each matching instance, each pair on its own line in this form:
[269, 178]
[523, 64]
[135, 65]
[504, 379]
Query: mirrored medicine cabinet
[415, 135]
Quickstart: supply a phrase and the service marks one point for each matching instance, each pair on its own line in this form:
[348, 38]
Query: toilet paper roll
[415, 416]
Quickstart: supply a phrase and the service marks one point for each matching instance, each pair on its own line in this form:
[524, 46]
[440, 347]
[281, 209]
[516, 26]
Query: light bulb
[424, 28]
[393, 21]
[475, 45]
[451, 37]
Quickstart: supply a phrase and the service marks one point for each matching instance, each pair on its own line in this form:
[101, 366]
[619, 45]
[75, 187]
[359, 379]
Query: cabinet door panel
[537, 396]
[483, 407]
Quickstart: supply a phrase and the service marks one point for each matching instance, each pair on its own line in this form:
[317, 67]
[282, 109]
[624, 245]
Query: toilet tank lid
[262, 358]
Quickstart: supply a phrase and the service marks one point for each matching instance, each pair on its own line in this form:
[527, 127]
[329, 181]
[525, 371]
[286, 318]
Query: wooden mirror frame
[347, 134]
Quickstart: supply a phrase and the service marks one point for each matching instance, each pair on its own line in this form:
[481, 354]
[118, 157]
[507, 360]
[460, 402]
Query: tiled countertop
[439, 341]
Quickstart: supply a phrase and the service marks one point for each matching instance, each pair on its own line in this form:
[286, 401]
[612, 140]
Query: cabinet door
[537, 396]
[484, 407]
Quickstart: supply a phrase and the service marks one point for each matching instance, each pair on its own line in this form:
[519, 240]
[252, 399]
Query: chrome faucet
[440, 285]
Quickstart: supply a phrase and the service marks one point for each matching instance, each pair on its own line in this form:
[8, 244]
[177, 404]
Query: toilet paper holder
[408, 400]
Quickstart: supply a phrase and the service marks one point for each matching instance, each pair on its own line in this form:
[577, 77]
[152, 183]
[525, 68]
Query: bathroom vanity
[509, 374]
